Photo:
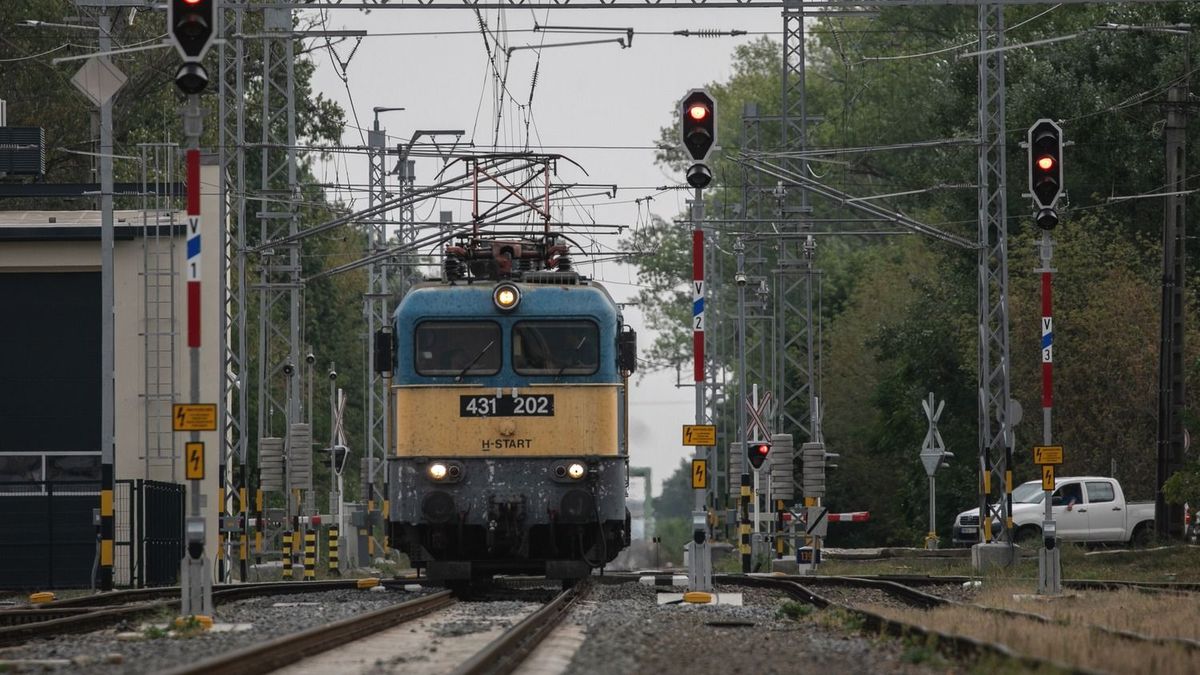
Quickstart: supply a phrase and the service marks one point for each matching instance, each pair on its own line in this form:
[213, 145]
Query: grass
[1180, 563]
[1152, 614]
[1073, 639]
[920, 653]
[795, 610]
[1073, 644]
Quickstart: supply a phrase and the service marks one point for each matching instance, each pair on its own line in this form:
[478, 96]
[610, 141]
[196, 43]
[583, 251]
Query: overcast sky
[611, 98]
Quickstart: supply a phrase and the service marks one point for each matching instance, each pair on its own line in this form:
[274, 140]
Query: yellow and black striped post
[371, 529]
[106, 527]
[744, 526]
[287, 555]
[222, 511]
[243, 537]
[1008, 483]
[333, 551]
[258, 526]
[387, 542]
[779, 538]
[985, 521]
[310, 555]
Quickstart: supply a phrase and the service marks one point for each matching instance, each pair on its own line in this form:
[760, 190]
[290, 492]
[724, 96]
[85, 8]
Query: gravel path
[104, 652]
[627, 632]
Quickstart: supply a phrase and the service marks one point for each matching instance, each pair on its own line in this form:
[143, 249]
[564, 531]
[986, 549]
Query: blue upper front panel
[567, 306]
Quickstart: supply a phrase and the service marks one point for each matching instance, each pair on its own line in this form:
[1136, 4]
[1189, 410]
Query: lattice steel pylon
[376, 302]
[995, 428]
[279, 288]
[233, 404]
[761, 363]
[794, 382]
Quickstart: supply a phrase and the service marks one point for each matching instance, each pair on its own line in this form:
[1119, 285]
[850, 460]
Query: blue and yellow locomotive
[510, 400]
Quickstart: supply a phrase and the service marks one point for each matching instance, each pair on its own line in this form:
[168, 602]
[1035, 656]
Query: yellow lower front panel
[479, 421]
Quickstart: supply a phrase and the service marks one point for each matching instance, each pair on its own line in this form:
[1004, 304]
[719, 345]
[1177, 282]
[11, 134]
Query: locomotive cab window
[451, 348]
[556, 348]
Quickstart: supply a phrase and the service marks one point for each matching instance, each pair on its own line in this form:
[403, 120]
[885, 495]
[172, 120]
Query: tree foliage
[894, 111]
[147, 111]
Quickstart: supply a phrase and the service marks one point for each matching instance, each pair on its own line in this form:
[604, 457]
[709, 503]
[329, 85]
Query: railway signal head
[698, 125]
[192, 26]
[699, 176]
[1045, 171]
[757, 452]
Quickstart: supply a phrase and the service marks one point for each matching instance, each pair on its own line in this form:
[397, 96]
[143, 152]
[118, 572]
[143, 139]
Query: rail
[290, 648]
[505, 653]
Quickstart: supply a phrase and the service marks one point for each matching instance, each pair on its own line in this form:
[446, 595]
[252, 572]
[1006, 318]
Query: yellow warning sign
[702, 435]
[194, 416]
[699, 474]
[193, 454]
[1047, 476]
[1047, 454]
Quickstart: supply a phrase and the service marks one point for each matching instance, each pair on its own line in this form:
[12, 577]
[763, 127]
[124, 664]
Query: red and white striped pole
[698, 310]
[1049, 557]
[700, 561]
[1047, 349]
[193, 249]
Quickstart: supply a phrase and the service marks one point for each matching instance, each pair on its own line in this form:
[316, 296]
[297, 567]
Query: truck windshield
[1029, 493]
[448, 348]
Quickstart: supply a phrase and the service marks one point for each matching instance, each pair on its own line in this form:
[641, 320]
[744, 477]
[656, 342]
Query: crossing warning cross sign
[758, 417]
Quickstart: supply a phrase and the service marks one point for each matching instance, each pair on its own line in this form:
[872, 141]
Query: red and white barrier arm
[852, 517]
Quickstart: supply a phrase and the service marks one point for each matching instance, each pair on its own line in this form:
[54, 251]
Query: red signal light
[758, 454]
[698, 112]
[193, 2]
[1045, 162]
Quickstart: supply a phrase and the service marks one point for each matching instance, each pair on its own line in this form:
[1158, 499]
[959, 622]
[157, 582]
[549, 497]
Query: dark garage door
[49, 404]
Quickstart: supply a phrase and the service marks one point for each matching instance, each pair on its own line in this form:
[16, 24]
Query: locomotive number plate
[541, 405]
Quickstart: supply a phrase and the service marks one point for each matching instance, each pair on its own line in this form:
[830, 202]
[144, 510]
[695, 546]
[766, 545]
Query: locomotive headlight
[576, 470]
[437, 471]
[506, 297]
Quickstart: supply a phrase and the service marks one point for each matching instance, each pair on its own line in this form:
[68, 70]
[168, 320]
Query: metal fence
[148, 538]
[49, 533]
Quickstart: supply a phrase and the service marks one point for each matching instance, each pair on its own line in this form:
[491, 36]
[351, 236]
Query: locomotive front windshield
[456, 348]
[556, 348]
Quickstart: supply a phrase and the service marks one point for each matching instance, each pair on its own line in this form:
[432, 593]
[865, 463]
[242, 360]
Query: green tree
[146, 110]
[677, 497]
[899, 317]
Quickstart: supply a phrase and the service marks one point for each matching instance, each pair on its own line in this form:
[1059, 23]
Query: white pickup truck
[1086, 508]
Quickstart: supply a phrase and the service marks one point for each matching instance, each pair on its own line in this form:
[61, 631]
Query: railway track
[288, 649]
[498, 657]
[505, 653]
[89, 613]
[958, 646]
[1075, 584]
[923, 600]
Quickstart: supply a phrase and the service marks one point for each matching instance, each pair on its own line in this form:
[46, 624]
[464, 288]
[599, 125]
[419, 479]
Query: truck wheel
[1029, 535]
[1143, 535]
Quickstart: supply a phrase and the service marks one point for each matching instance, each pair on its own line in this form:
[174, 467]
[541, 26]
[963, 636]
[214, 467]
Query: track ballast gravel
[92, 652]
[628, 632]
